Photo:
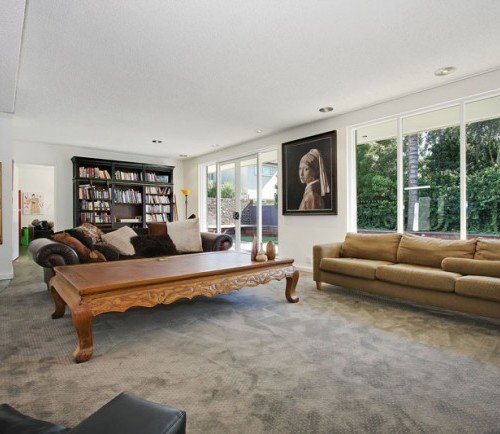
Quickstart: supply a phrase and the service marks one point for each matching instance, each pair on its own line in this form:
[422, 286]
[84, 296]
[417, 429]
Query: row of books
[154, 177]
[121, 175]
[157, 190]
[90, 217]
[127, 196]
[156, 218]
[90, 192]
[156, 199]
[95, 205]
[93, 172]
[157, 209]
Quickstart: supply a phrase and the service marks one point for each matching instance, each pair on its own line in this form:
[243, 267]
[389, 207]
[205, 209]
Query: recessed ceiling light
[326, 109]
[215, 145]
[157, 141]
[258, 131]
[444, 71]
[183, 155]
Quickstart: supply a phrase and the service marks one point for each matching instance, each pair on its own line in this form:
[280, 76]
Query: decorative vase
[261, 256]
[270, 250]
[255, 247]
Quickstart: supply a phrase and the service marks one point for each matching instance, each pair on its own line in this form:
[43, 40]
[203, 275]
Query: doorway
[242, 199]
[34, 197]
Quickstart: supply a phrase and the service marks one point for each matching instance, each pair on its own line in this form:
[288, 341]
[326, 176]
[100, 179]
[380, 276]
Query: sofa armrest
[49, 253]
[128, 414]
[324, 251]
[215, 242]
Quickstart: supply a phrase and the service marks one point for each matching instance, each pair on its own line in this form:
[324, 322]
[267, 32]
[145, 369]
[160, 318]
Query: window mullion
[463, 174]
[400, 180]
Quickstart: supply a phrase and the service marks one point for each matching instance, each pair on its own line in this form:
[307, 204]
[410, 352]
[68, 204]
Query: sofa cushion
[186, 235]
[110, 253]
[431, 251]
[364, 268]
[487, 249]
[380, 247]
[418, 276]
[476, 267]
[150, 246]
[120, 239]
[479, 286]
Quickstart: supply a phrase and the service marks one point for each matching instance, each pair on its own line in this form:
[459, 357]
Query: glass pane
[248, 199]
[212, 198]
[376, 171]
[483, 167]
[431, 164]
[228, 200]
[270, 197]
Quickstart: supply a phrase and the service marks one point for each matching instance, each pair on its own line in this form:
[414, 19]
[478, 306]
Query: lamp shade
[186, 191]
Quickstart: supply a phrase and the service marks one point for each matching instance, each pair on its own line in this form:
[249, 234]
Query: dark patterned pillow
[91, 231]
[150, 246]
[80, 236]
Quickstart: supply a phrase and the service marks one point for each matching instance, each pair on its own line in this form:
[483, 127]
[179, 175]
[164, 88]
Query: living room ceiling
[117, 74]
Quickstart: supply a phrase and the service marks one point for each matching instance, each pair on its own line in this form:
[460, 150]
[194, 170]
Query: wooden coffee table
[91, 289]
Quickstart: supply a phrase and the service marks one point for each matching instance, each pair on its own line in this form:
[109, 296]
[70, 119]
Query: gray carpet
[249, 362]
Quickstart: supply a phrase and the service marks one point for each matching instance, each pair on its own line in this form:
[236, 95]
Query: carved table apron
[92, 289]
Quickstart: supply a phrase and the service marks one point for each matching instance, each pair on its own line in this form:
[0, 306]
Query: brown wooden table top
[106, 276]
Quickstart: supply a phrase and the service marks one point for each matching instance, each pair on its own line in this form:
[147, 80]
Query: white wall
[59, 156]
[40, 180]
[298, 234]
[6, 160]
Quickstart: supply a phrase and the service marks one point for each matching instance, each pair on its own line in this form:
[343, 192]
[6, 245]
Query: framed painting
[309, 168]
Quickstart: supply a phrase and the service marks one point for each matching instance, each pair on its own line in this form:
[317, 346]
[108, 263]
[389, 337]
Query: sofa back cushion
[381, 247]
[488, 250]
[431, 251]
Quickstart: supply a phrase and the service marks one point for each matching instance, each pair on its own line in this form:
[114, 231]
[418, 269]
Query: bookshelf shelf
[112, 193]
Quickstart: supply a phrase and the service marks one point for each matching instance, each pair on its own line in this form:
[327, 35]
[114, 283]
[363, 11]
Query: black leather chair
[124, 414]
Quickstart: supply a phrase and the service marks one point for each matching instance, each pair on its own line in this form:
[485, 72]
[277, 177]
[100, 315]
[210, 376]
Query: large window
[433, 173]
[431, 182]
[376, 155]
[483, 167]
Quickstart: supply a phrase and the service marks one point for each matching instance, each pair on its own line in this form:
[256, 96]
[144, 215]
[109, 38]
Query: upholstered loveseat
[49, 253]
[453, 274]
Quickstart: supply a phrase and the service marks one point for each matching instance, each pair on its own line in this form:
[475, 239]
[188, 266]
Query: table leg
[291, 284]
[59, 304]
[82, 320]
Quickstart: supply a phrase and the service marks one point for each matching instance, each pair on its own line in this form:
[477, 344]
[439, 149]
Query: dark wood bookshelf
[126, 187]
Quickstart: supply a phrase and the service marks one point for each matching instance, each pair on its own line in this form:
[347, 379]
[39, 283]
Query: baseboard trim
[304, 268]
[6, 276]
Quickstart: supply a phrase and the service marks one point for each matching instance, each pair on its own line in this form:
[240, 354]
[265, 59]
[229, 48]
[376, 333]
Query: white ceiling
[116, 74]
[11, 30]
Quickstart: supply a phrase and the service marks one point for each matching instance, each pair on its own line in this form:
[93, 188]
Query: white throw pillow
[186, 235]
[120, 239]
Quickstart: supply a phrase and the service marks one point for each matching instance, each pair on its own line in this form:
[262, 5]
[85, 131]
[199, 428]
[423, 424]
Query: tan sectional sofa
[457, 275]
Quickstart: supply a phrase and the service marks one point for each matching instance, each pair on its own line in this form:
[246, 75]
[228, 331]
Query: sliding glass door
[241, 199]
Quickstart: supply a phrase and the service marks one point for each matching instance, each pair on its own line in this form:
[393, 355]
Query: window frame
[352, 224]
